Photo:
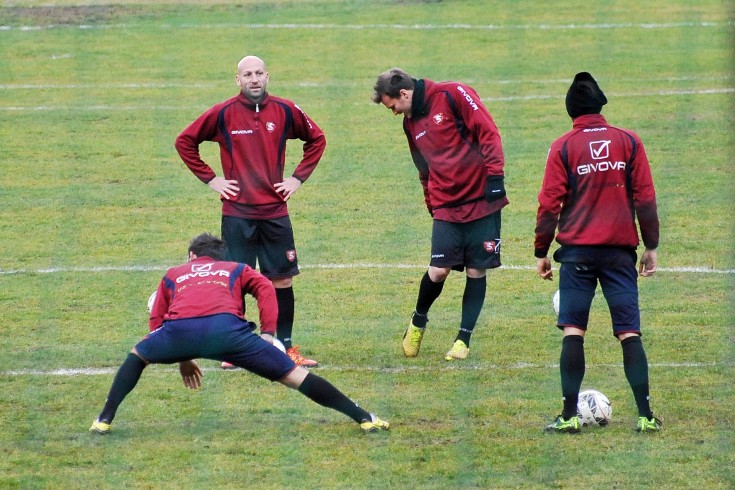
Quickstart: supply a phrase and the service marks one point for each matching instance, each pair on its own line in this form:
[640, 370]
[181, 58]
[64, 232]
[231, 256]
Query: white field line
[513, 98]
[378, 369]
[146, 268]
[399, 27]
[331, 83]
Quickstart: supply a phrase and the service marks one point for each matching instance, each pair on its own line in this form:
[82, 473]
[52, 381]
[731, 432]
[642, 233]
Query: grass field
[95, 204]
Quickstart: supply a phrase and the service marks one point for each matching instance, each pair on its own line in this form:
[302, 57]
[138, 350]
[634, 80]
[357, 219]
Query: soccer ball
[151, 300]
[279, 345]
[593, 408]
[555, 302]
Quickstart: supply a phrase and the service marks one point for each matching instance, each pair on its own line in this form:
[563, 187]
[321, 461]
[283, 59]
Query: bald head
[252, 78]
[250, 62]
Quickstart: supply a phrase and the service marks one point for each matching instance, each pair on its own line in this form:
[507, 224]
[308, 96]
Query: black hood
[584, 96]
[418, 104]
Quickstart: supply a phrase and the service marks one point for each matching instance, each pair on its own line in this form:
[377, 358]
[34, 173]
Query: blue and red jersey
[252, 141]
[597, 180]
[204, 287]
[455, 146]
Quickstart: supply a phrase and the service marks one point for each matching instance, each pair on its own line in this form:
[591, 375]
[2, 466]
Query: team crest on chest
[438, 118]
[270, 126]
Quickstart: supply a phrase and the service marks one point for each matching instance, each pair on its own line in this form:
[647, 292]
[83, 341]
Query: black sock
[284, 325]
[635, 364]
[428, 292]
[472, 301]
[571, 366]
[125, 380]
[325, 394]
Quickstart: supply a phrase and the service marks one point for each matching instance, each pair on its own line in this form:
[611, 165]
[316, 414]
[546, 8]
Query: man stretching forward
[198, 313]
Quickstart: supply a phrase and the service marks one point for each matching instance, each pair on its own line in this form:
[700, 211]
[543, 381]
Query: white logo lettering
[308, 121]
[202, 270]
[242, 131]
[420, 135]
[467, 97]
[589, 168]
[590, 130]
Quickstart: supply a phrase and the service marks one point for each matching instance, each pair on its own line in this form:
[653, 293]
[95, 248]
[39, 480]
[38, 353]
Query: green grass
[89, 179]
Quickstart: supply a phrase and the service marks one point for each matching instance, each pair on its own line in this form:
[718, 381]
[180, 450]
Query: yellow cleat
[648, 425]
[374, 424]
[100, 427]
[412, 341]
[458, 351]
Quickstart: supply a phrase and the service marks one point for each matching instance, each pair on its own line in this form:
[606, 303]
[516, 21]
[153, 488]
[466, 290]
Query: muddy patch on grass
[68, 15]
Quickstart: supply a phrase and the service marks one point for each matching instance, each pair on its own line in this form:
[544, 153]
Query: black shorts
[269, 244]
[221, 337]
[582, 268]
[458, 245]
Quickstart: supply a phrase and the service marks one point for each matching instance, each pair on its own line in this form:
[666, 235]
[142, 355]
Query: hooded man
[596, 183]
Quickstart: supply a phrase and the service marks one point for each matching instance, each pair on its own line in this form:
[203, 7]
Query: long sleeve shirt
[597, 180]
[455, 146]
[204, 287]
[252, 142]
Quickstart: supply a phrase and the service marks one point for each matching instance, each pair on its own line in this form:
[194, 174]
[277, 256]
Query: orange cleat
[300, 360]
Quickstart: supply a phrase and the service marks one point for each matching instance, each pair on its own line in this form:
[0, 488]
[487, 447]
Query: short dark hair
[206, 245]
[391, 83]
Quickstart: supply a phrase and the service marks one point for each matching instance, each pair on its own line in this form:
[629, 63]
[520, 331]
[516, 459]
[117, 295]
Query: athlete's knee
[476, 273]
[294, 378]
[439, 274]
[282, 282]
[135, 352]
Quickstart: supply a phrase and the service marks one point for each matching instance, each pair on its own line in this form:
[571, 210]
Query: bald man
[251, 129]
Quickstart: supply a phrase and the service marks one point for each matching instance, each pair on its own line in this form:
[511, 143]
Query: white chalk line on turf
[399, 27]
[148, 268]
[378, 369]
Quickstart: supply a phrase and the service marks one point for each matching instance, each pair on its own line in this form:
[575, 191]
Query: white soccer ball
[593, 408]
[151, 300]
[555, 302]
[279, 345]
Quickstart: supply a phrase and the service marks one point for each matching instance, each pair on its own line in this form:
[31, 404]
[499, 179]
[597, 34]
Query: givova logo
[600, 150]
[202, 270]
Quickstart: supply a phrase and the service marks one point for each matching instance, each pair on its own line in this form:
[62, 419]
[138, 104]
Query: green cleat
[100, 427]
[374, 424]
[412, 341]
[571, 426]
[648, 425]
[458, 351]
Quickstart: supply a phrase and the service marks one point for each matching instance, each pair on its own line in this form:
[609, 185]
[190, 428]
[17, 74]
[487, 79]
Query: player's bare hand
[225, 188]
[288, 187]
[649, 261]
[543, 268]
[191, 374]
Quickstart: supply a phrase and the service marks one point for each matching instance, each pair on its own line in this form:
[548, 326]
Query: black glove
[494, 187]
